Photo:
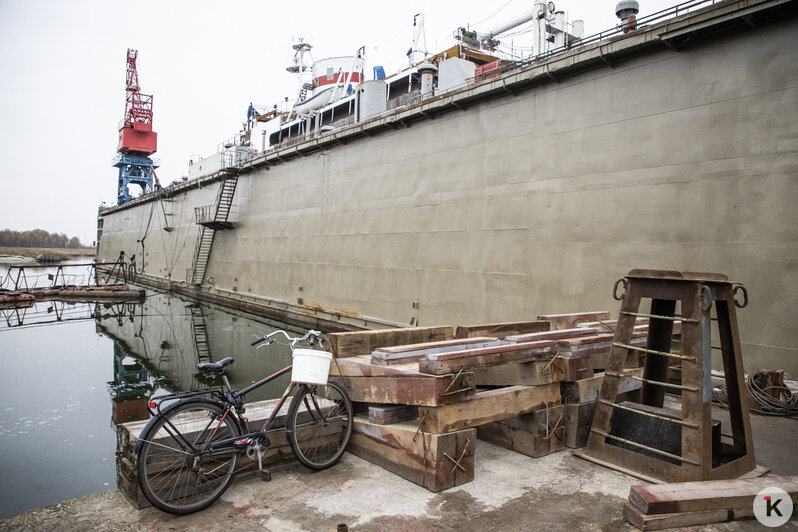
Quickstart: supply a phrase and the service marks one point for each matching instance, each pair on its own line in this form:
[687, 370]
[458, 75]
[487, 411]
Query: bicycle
[188, 453]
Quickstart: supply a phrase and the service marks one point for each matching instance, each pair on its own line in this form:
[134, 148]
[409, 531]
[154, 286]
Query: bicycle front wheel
[319, 424]
[177, 472]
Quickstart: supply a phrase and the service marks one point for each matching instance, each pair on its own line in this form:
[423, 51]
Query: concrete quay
[559, 492]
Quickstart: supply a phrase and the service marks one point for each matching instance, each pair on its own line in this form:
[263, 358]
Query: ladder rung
[653, 352]
[664, 418]
[666, 384]
[646, 447]
[658, 317]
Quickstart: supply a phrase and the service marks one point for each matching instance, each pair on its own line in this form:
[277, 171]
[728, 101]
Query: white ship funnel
[427, 72]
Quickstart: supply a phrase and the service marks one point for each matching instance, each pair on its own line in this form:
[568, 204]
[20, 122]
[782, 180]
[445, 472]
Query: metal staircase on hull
[212, 218]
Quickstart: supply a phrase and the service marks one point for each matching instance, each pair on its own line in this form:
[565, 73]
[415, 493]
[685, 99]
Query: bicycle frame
[232, 401]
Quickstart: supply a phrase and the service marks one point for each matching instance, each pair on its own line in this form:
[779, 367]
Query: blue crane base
[134, 170]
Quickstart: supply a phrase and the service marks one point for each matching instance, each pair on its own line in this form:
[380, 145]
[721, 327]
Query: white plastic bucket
[311, 366]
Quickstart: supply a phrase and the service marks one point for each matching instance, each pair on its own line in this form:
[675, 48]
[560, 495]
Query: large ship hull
[672, 148]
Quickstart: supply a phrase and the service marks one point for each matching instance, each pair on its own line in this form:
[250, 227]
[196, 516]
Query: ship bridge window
[402, 91]
[292, 131]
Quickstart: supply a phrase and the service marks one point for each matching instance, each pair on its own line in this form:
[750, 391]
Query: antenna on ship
[300, 66]
[418, 35]
[137, 140]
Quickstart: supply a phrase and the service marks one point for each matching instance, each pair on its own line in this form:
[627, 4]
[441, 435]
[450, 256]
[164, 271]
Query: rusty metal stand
[693, 300]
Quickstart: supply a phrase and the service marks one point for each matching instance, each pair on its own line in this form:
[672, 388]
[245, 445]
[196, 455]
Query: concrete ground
[559, 492]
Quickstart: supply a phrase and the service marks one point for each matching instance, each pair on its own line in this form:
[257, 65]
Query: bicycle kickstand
[259, 449]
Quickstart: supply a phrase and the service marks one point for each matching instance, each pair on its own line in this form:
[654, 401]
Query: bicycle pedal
[265, 476]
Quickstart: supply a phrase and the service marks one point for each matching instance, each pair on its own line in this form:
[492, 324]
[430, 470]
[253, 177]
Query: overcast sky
[62, 79]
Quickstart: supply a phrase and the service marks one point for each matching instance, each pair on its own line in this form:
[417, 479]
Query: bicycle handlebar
[312, 335]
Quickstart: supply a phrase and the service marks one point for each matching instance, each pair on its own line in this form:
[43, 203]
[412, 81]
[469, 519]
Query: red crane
[136, 136]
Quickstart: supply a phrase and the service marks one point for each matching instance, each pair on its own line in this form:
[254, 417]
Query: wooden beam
[500, 330]
[521, 373]
[576, 368]
[575, 332]
[420, 390]
[414, 352]
[348, 344]
[578, 419]
[683, 519]
[588, 389]
[361, 366]
[596, 343]
[521, 441]
[442, 346]
[434, 461]
[452, 362]
[598, 347]
[540, 421]
[390, 414]
[707, 495]
[567, 321]
[487, 406]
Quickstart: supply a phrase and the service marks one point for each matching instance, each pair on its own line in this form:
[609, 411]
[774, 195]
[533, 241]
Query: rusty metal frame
[698, 295]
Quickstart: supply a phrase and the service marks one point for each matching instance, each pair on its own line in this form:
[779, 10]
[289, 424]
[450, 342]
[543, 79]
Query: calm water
[72, 371]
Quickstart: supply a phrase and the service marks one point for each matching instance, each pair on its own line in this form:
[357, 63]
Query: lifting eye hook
[621, 281]
[745, 296]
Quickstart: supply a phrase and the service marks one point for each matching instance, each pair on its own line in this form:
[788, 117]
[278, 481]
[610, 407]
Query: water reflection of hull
[168, 337]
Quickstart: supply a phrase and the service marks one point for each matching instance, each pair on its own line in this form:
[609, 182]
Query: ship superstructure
[466, 190]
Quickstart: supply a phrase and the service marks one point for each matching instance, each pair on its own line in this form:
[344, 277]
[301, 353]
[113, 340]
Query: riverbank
[510, 491]
[26, 255]
[32, 253]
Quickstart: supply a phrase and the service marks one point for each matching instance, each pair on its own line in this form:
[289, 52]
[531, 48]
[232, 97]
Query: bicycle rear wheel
[174, 472]
[319, 425]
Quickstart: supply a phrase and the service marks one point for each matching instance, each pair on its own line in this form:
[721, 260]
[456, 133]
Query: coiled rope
[769, 405]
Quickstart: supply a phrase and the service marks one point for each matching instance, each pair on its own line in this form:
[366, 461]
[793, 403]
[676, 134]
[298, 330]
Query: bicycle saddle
[215, 367]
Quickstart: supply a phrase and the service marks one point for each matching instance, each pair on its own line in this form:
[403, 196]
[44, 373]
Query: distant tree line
[38, 238]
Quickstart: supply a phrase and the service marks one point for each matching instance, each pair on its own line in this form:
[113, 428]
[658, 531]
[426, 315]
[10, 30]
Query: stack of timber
[660, 506]
[430, 392]
[278, 456]
[518, 385]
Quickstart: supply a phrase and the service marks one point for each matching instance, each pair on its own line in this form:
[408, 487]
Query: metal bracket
[457, 462]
